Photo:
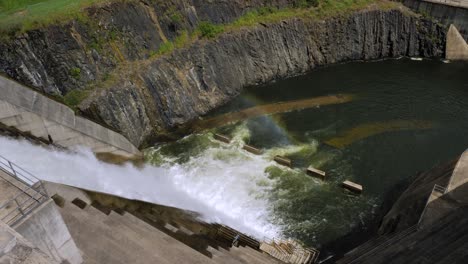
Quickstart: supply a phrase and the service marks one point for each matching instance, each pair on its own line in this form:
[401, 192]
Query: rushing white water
[230, 190]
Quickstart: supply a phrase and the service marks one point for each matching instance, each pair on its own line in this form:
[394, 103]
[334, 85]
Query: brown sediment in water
[269, 109]
[367, 130]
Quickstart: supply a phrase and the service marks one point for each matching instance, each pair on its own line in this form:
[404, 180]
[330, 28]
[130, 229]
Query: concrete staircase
[124, 238]
[17, 198]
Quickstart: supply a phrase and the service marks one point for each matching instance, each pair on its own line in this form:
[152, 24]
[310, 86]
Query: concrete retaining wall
[29, 111]
[46, 229]
[14, 248]
[445, 12]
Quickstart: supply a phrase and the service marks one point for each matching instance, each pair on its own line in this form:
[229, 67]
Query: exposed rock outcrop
[62, 57]
[153, 97]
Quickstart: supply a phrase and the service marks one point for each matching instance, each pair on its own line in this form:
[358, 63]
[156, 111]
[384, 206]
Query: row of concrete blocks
[349, 185]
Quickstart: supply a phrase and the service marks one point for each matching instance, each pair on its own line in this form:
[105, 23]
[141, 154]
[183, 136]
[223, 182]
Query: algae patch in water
[269, 109]
[367, 130]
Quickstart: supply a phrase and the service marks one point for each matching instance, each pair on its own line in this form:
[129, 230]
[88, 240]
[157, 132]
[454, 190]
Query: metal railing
[30, 192]
[436, 188]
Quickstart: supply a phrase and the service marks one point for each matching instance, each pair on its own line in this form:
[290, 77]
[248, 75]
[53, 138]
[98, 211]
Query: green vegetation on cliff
[306, 9]
[18, 16]
[23, 15]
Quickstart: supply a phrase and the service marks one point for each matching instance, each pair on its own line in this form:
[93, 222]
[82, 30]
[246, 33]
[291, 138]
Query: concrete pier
[456, 48]
[32, 113]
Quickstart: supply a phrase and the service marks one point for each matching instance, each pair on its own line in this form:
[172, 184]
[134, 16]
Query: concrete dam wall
[29, 111]
[446, 11]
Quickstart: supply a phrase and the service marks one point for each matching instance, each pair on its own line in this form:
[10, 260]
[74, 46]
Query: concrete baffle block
[316, 173]
[222, 138]
[252, 149]
[283, 161]
[354, 187]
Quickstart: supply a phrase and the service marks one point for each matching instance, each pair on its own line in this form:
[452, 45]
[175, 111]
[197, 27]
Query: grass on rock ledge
[307, 10]
[23, 15]
[17, 16]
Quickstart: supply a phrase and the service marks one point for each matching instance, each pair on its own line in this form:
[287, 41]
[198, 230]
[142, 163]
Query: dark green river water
[403, 117]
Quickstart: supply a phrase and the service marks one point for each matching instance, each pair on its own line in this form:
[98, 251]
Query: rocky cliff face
[188, 83]
[154, 97]
[60, 58]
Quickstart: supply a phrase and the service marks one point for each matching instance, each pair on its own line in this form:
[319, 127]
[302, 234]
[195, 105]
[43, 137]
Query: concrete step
[261, 255]
[233, 254]
[249, 256]
[91, 238]
[224, 257]
[102, 244]
[176, 250]
[95, 213]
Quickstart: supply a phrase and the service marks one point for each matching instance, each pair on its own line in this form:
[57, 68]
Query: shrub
[210, 30]
[306, 3]
[75, 72]
[165, 48]
[75, 97]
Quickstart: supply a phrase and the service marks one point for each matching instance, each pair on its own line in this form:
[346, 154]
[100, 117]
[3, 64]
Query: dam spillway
[250, 193]
[209, 91]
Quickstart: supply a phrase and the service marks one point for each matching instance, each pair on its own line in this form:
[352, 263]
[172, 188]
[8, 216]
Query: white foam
[223, 184]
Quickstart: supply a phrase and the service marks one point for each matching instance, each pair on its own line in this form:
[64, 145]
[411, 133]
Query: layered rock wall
[63, 57]
[169, 92]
